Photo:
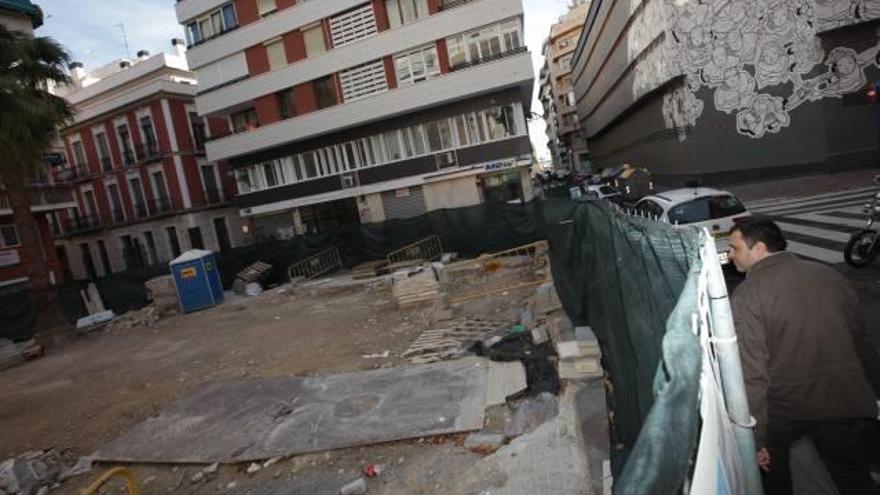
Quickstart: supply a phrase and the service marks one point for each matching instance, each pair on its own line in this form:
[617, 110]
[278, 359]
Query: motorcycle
[864, 246]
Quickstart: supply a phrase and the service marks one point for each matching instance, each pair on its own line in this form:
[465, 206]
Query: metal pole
[724, 341]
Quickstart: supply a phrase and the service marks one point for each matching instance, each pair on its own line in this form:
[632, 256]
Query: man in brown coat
[799, 326]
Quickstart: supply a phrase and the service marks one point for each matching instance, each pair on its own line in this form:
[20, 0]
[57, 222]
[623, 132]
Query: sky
[92, 30]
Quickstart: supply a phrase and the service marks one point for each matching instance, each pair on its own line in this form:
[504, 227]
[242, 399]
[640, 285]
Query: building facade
[358, 111]
[50, 194]
[144, 190]
[567, 145]
[728, 91]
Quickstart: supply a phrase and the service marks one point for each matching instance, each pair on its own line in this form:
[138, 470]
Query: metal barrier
[427, 249]
[326, 261]
[530, 260]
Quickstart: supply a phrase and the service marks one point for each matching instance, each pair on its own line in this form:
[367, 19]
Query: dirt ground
[87, 390]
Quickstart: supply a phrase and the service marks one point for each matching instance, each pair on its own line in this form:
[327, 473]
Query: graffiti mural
[744, 48]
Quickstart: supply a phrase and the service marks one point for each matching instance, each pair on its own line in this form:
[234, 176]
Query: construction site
[474, 356]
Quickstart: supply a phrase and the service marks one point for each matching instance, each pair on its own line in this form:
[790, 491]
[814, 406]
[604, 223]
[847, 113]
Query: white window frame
[116, 123]
[86, 206]
[107, 184]
[416, 54]
[152, 170]
[76, 138]
[131, 194]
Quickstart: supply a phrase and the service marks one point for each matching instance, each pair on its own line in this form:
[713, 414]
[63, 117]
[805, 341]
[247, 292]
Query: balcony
[81, 225]
[118, 216]
[128, 158]
[140, 210]
[160, 206]
[220, 98]
[106, 164]
[512, 71]
[148, 152]
[213, 197]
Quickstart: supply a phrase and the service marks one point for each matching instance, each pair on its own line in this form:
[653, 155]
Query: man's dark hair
[755, 229]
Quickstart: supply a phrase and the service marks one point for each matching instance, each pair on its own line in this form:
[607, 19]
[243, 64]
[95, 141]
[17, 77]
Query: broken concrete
[484, 443]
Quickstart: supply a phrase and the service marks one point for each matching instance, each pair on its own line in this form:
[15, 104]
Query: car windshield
[705, 208]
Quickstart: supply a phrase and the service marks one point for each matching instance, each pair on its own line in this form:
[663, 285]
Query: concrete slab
[504, 379]
[252, 419]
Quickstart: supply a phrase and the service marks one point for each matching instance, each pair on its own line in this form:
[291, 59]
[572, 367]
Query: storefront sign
[499, 165]
[9, 257]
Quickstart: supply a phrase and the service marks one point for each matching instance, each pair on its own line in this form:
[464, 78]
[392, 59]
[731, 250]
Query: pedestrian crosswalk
[817, 227]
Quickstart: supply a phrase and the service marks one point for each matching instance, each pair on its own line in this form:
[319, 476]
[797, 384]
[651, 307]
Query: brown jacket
[799, 324]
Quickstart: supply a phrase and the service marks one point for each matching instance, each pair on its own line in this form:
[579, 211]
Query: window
[266, 7]
[314, 40]
[115, 203]
[563, 43]
[125, 143]
[243, 180]
[137, 194]
[439, 135]
[310, 165]
[286, 104]
[173, 243]
[195, 238]
[211, 24]
[455, 48]
[501, 122]
[705, 208]
[276, 54]
[197, 125]
[104, 151]
[8, 236]
[325, 92]
[461, 130]
[405, 11]
[273, 173]
[510, 34]
[147, 133]
[564, 63]
[78, 153]
[649, 208]
[245, 120]
[417, 65]
[392, 146]
[417, 133]
[484, 43]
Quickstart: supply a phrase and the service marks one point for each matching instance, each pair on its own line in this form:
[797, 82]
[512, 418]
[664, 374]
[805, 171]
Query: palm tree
[29, 116]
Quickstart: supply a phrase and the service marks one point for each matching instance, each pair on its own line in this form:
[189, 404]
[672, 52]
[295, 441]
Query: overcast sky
[91, 30]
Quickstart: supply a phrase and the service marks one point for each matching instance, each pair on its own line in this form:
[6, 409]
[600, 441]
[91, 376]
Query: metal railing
[160, 205]
[106, 164]
[490, 58]
[118, 216]
[427, 249]
[78, 225]
[49, 196]
[327, 261]
[147, 152]
[128, 158]
[140, 210]
[213, 196]
[529, 260]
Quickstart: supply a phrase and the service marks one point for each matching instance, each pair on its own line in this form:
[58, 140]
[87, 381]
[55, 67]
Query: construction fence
[641, 285]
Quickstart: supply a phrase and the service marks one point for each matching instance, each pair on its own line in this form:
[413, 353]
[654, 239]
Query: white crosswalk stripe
[817, 227]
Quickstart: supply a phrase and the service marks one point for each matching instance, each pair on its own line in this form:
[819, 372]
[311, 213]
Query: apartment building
[144, 189]
[358, 111]
[566, 141]
[49, 195]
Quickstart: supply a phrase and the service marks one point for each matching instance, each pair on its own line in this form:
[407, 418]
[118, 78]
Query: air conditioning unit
[446, 159]
[349, 180]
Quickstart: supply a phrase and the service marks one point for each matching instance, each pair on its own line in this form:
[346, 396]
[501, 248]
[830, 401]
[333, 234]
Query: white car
[715, 210]
[601, 191]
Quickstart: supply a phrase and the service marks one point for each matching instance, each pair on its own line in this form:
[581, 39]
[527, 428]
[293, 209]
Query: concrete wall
[371, 209]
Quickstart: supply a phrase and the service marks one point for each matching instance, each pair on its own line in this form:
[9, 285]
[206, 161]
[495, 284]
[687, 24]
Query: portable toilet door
[194, 281]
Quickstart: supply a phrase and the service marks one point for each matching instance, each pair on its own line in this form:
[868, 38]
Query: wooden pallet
[255, 272]
[451, 341]
[369, 269]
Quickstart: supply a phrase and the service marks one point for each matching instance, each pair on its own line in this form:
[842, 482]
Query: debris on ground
[452, 340]
[539, 360]
[162, 292]
[255, 273]
[93, 321]
[30, 472]
[415, 287]
[484, 443]
[373, 470]
[580, 358]
[148, 317]
[355, 487]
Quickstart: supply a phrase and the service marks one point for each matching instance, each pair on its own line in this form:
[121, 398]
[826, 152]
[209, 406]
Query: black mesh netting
[623, 276]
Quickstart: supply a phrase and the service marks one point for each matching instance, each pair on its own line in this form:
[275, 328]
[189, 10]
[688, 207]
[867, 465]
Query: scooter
[864, 246]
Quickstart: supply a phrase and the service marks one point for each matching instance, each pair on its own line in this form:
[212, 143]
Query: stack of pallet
[369, 269]
[256, 272]
[412, 288]
[580, 358]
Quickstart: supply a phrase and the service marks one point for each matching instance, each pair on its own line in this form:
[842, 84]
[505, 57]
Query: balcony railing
[118, 216]
[79, 225]
[140, 210]
[128, 158]
[51, 196]
[147, 152]
[106, 164]
[213, 196]
[491, 58]
[160, 205]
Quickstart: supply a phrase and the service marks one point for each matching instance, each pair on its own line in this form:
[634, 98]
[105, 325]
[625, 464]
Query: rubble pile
[38, 471]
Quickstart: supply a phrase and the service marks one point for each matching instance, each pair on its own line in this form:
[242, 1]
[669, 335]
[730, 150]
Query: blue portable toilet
[197, 280]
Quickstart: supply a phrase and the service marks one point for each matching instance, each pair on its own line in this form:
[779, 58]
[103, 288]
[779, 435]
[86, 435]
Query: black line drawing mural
[743, 48]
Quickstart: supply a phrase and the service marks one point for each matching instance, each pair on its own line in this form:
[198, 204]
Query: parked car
[601, 191]
[713, 209]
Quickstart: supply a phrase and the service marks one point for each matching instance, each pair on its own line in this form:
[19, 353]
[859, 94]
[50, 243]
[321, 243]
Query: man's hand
[764, 459]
